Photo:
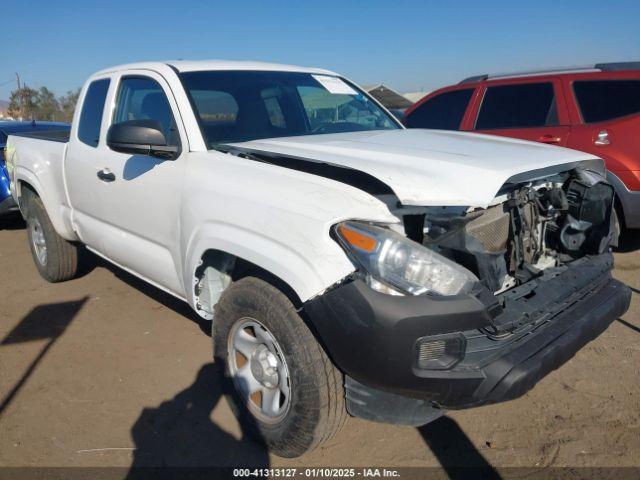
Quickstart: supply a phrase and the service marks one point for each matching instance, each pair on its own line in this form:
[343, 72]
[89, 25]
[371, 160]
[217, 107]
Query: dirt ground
[107, 371]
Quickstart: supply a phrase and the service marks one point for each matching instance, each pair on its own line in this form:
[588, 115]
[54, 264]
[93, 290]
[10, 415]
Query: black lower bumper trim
[385, 407]
[515, 373]
[372, 336]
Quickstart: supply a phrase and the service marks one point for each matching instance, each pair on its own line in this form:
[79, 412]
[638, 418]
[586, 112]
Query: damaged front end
[530, 228]
[538, 288]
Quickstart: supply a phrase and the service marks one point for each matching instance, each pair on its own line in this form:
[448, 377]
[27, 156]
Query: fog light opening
[439, 352]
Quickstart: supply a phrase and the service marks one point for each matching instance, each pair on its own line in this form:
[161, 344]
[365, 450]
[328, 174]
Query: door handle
[106, 175]
[548, 138]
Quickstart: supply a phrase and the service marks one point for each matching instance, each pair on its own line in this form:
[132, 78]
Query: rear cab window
[526, 105]
[91, 114]
[442, 112]
[602, 100]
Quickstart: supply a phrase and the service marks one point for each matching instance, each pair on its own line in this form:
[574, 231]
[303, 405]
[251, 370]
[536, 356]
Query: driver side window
[141, 98]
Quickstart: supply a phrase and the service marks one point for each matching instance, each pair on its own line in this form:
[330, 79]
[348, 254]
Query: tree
[23, 103]
[47, 105]
[68, 104]
[29, 104]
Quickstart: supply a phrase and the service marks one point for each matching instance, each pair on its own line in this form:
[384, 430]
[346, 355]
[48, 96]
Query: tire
[59, 262]
[316, 409]
[617, 227]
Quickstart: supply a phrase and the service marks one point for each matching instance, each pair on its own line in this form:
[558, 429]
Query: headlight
[391, 259]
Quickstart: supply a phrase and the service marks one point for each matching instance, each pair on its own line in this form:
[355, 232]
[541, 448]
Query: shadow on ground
[629, 325]
[456, 453]
[180, 433]
[44, 322]
[178, 306]
[629, 241]
[12, 221]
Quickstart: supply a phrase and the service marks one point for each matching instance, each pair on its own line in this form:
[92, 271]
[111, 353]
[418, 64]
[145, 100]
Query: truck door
[139, 195]
[85, 149]
[534, 110]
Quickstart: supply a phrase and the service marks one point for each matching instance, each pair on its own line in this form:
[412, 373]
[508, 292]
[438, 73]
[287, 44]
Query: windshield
[238, 106]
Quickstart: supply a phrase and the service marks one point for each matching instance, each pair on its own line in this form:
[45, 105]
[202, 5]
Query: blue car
[9, 128]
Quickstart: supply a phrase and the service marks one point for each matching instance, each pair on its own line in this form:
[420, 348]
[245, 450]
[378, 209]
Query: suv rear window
[442, 112]
[518, 106]
[601, 100]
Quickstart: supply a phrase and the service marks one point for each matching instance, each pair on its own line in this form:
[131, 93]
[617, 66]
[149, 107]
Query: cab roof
[204, 65]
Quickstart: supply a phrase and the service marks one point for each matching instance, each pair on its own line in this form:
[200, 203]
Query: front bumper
[372, 337]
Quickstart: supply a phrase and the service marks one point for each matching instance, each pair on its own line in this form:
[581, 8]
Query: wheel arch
[300, 271]
[621, 199]
[236, 268]
[25, 180]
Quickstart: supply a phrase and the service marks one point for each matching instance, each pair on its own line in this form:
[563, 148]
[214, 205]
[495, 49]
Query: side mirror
[141, 137]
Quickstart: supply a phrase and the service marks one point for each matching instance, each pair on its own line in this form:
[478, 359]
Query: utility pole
[19, 94]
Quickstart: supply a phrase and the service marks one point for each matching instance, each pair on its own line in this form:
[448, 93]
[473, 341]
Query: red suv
[594, 109]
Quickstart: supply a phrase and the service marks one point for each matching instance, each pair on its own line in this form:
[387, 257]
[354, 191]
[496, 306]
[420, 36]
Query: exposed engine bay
[529, 228]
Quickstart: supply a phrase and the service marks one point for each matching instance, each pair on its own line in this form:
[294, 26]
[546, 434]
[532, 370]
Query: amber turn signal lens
[358, 239]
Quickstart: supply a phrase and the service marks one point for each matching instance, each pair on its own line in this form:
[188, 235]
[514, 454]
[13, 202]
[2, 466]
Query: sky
[407, 45]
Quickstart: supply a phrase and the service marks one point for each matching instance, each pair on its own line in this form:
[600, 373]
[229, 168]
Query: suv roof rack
[476, 78]
[617, 66]
[602, 67]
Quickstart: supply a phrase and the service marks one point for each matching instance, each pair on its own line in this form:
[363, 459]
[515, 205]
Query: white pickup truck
[348, 264]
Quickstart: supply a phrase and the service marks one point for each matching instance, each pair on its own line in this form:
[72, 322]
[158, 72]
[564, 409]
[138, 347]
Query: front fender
[307, 274]
[276, 218]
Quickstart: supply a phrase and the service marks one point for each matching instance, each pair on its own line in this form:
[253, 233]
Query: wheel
[282, 386]
[55, 257]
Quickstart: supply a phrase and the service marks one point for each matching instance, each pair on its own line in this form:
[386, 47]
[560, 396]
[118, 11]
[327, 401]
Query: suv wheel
[282, 386]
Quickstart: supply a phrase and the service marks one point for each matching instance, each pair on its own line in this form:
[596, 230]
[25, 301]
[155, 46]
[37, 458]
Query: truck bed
[39, 157]
[61, 136]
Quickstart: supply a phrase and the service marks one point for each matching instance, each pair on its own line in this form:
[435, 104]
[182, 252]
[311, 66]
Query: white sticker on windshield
[335, 85]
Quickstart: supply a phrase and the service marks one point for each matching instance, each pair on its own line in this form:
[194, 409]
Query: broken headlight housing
[395, 264]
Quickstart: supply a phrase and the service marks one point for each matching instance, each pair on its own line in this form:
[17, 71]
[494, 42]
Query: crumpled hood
[430, 167]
